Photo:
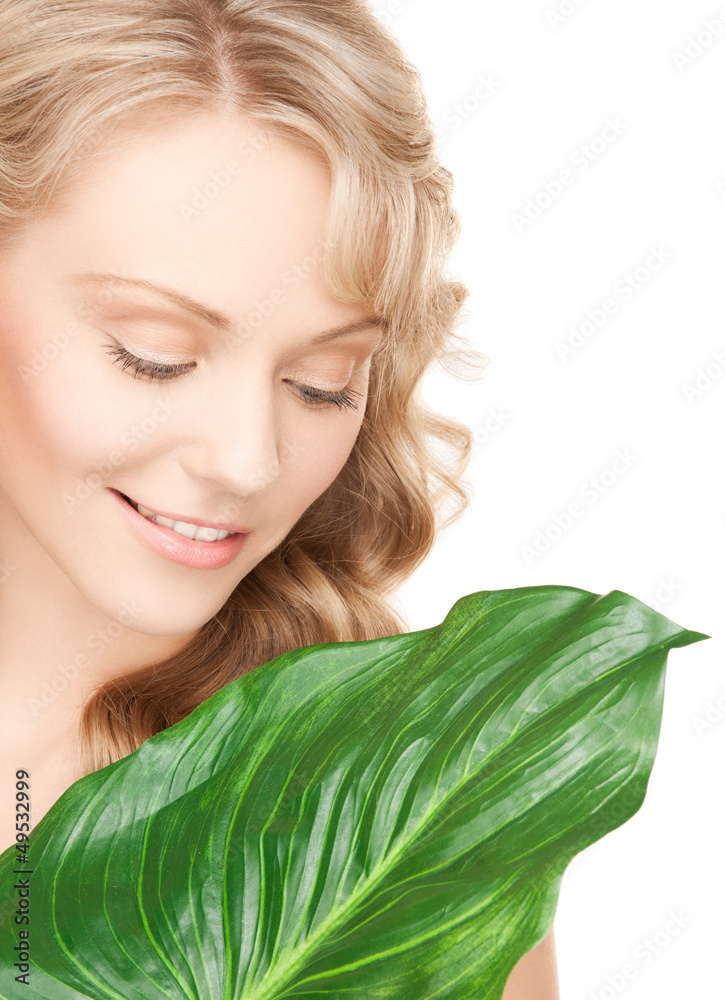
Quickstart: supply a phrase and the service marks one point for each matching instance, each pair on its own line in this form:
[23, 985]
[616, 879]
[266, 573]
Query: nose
[230, 439]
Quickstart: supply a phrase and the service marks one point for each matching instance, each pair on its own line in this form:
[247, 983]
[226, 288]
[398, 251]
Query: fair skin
[535, 975]
[233, 219]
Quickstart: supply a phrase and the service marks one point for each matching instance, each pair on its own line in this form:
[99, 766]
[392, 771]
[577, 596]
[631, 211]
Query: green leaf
[382, 819]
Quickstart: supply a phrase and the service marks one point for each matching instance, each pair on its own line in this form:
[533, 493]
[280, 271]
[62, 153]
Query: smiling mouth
[186, 529]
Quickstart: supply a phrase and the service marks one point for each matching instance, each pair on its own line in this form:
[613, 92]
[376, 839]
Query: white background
[548, 420]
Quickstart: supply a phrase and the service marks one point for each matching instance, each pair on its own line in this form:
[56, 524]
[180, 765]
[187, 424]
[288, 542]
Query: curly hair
[326, 73]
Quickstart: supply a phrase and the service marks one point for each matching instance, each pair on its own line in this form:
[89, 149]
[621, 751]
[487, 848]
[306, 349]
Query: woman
[224, 231]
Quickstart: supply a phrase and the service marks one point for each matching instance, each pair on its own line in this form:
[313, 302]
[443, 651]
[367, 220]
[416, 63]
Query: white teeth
[182, 528]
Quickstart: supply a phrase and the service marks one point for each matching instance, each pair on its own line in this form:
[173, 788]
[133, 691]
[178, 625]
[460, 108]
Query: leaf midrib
[300, 956]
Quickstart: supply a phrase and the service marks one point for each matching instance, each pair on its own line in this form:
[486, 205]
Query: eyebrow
[216, 319]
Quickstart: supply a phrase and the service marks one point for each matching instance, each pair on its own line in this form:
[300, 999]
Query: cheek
[37, 403]
[59, 416]
[309, 464]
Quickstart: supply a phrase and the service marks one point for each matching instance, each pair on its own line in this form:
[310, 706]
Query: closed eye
[313, 396]
[154, 371]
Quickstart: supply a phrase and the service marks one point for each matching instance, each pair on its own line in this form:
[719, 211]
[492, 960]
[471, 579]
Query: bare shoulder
[535, 976]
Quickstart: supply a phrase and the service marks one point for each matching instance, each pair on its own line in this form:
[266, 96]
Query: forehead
[198, 179]
[211, 206]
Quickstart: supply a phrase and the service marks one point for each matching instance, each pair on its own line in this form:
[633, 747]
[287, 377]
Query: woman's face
[196, 247]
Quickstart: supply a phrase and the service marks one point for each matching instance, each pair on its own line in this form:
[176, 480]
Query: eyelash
[155, 372]
[151, 370]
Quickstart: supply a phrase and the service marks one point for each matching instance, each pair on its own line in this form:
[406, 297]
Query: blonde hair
[326, 73]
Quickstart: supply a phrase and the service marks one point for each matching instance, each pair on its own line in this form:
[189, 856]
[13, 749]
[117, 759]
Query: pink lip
[186, 551]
